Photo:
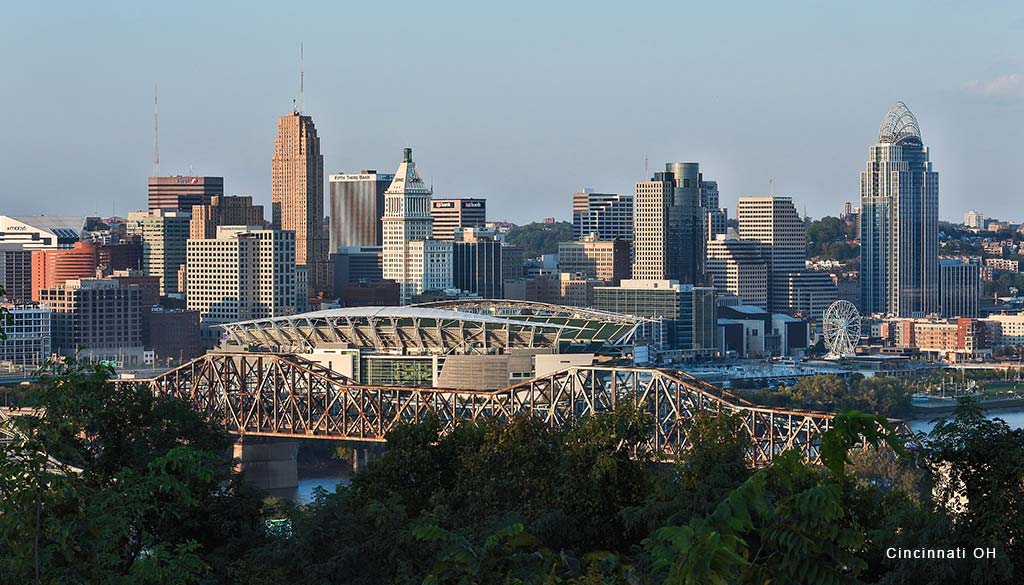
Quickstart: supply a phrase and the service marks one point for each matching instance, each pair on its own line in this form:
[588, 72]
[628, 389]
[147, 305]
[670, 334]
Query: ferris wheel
[841, 328]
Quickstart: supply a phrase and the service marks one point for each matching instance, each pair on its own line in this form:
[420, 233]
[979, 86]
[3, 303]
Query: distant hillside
[539, 238]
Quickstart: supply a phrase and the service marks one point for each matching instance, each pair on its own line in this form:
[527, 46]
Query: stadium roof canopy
[433, 330]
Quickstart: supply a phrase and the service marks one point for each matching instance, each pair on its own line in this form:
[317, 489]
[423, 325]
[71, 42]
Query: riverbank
[933, 409]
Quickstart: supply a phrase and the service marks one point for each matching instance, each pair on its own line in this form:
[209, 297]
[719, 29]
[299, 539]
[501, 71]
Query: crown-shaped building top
[407, 180]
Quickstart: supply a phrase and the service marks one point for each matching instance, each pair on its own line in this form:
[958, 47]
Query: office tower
[16, 272]
[298, 196]
[27, 336]
[124, 255]
[974, 220]
[356, 209]
[42, 232]
[180, 193]
[476, 262]
[407, 220]
[609, 215]
[353, 264]
[52, 267]
[173, 335]
[606, 260]
[899, 221]
[959, 288]
[97, 319]
[429, 267]
[511, 262]
[241, 274]
[651, 227]
[454, 214]
[774, 223]
[163, 234]
[684, 315]
[223, 210]
[737, 266]
[669, 224]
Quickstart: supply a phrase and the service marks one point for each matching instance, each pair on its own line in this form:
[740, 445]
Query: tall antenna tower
[156, 133]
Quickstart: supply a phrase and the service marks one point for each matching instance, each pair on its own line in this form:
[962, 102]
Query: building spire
[156, 133]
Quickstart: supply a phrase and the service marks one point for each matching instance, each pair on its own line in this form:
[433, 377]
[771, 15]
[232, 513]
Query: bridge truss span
[285, 395]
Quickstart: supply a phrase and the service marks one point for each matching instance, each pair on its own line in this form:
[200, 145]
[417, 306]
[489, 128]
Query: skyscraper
[738, 267]
[669, 224]
[231, 210]
[609, 215]
[181, 193]
[163, 234]
[241, 274]
[407, 220]
[899, 221]
[357, 206]
[451, 215]
[297, 196]
[774, 223]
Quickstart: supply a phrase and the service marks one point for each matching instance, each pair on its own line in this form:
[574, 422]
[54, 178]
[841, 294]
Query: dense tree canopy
[152, 502]
[537, 239]
[831, 238]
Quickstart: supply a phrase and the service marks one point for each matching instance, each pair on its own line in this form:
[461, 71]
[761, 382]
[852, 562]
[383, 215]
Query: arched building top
[899, 123]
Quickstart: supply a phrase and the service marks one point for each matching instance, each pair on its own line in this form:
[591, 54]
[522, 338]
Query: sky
[523, 103]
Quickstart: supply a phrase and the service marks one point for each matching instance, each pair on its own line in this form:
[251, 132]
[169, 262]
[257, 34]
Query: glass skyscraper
[899, 221]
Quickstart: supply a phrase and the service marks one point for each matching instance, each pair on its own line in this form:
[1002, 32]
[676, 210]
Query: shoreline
[998, 405]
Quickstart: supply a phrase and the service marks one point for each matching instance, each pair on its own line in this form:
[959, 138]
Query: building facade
[163, 234]
[606, 260]
[356, 208]
[477, 263]
[609, 215]
[28, 336]
[355, 264]
[959, 288]
[16, 272]
[686, 313]
[774, 223]
[738, 266]
[451, 215]
[241, 274]
[180, 193]
[407, 220]
[297, 195]
[42, 232]
[899, 221]
[223, 210]
[96, 319]
[53, 267]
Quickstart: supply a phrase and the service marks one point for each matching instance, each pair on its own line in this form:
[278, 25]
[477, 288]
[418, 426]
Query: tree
[113, 484]
[537, 239]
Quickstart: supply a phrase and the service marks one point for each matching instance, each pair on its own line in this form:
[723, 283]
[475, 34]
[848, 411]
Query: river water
[1013, 418]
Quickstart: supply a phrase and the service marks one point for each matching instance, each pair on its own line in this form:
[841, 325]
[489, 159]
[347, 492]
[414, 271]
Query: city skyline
[801, 126]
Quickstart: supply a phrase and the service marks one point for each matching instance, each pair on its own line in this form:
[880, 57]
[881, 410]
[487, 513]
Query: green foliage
[1002, 283]
[831, 238]
[149, 502]
[537, 239]
[889, 396]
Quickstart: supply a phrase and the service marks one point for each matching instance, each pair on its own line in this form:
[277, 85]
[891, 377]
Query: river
[1014, 418]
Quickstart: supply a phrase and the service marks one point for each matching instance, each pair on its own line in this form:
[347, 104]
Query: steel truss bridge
[286, 395]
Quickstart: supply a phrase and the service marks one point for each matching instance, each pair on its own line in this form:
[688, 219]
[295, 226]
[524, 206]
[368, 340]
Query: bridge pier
[268, 463]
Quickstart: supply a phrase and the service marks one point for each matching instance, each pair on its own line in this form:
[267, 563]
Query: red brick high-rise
[51, 268]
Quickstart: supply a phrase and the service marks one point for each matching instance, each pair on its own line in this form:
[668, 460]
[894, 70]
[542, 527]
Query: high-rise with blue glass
[899, 221]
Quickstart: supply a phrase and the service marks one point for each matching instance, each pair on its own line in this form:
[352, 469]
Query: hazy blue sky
[522, 103]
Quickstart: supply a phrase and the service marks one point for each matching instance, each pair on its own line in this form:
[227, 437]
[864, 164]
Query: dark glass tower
[899, 222]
